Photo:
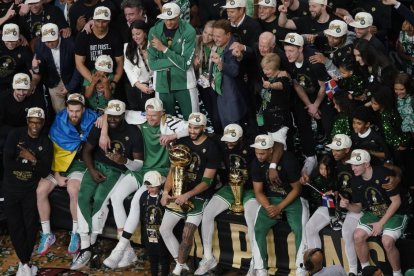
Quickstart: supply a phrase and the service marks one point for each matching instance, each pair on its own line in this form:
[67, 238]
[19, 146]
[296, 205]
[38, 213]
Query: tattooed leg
[187, 242]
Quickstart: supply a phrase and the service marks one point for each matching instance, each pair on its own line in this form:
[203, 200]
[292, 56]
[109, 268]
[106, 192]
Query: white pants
[316, 223]
[348, 228]
[124, 188]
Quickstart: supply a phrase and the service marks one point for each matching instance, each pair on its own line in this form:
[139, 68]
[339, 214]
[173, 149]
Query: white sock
[178, 268]
[94, 237]
[74, 226]
[46, 227]
[85, 241]
[123, 243]
[364, 264]
[397, 273]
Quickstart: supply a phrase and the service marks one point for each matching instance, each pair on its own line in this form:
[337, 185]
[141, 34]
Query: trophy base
[183, 208]
[237, 208]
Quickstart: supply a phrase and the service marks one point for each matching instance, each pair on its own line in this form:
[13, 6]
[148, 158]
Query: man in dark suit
[54, 60]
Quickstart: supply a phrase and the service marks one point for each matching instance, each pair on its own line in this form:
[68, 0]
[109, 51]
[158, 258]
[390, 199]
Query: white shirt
[56, 56]
[136, 73]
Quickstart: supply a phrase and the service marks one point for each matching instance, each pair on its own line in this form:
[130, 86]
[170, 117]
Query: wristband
[272, 166]
[207, 180]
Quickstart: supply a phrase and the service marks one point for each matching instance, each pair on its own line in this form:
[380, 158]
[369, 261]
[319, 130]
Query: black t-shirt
[204, 156]
[344, 174]
[20, 175]
[308, 25]
[374, 142]
[309, 74]
[79, 9]
[125, 140]
[91, 47]
[18, 60]
[31, 24]
[302, 10]
[381, 15]
[13, 113]
[152, 213]
[372, 196]
[4, 7]
[275, 29]
[240, 158]
[289, 172]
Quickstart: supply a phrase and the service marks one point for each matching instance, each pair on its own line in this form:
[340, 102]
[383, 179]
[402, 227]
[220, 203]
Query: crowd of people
[306, 104]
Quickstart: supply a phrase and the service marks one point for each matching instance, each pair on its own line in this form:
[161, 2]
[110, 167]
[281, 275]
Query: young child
[342, 122]
[274, 110]
[323, 179]
[322, 202]
[365, 137]
[389, 123]
[99, 91]
[351, 82]
[403, 88]
[152, 214]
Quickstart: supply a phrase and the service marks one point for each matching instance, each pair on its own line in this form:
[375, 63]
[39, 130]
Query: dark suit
[71, 78]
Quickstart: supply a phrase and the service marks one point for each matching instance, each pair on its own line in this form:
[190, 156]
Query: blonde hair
[407, 27]
[272, 60]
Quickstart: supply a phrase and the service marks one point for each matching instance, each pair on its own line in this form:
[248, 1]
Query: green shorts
[394, 227]
[226, 194]
[196, 213]
[77, 166]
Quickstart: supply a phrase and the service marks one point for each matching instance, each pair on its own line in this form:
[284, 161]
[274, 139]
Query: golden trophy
[180, 157]
[236, 180]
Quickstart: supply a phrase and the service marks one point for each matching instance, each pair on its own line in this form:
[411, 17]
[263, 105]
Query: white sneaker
[309, 165]
[261, 272]
[177, 269]
[19, 270]
[26, 270]
[128, 258]
[205, 266]
[81, 259]
[116, 255]
[34, 270]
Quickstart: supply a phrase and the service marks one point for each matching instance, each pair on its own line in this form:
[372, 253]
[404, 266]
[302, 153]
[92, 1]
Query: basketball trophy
[180, 157]
[236, 182]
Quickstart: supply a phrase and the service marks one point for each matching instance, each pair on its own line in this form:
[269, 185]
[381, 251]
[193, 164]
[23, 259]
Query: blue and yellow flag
[67, 139]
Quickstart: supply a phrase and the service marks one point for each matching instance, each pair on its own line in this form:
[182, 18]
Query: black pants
[22, 221]
[136, 99]
[303, 122]
[156, 260]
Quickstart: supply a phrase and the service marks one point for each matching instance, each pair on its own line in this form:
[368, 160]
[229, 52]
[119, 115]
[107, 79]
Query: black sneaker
[336, 224]
[95, 262]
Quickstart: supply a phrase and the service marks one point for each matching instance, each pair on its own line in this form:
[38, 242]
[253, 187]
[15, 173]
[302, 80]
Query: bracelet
[272, 166]
[114, 83]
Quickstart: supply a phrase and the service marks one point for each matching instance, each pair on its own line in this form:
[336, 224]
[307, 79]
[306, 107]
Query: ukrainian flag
[67, 139]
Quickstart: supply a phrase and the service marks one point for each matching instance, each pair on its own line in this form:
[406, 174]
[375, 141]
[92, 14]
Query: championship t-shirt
[239, 159]
[307, 74]
[204, 156]
[125, 140]
[18, 60]
[289, 172]
[372, 196]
